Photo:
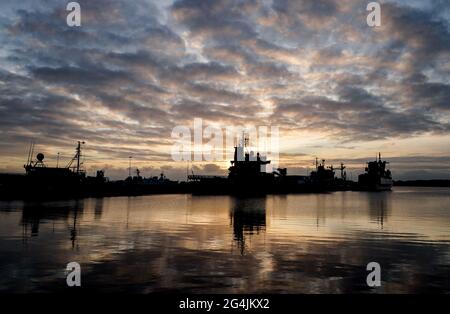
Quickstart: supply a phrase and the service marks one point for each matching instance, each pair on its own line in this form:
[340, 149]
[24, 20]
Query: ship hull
[384, 185]
[369, 183]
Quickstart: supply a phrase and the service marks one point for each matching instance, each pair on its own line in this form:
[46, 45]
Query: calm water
[315, 243]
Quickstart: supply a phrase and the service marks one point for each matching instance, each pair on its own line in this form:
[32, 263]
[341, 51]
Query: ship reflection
[35, 214]
[379, 207]
[98, 208]
[247, 216]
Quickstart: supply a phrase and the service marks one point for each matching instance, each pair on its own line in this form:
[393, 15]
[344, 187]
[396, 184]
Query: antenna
[129, 165]
[29, 153]
[32, 151]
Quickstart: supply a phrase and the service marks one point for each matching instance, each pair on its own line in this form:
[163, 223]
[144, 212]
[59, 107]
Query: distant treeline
[433, 183]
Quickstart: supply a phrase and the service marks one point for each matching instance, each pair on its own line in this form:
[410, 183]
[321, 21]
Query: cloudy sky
[134, 70]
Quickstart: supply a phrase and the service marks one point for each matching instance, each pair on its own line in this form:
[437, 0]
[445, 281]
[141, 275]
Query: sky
[336, 88]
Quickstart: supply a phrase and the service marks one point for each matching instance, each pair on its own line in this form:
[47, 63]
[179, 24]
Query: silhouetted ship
[246, 175]
[41, 175]
[377, 176]
[43, 181]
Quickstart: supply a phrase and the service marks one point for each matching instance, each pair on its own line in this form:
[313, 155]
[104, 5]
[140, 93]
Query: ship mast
[129, 165]
[76, 158]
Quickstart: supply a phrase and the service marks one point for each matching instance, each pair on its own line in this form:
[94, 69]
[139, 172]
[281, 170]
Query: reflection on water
[312, 243]
[98, 208]
[34, 213]
[247, 216]
[379, 207]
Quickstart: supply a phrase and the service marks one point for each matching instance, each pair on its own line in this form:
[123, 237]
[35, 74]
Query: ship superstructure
[322, 175]
[377, 177]
[246, 167]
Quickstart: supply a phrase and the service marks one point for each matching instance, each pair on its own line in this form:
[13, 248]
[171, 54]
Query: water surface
[312, 243]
